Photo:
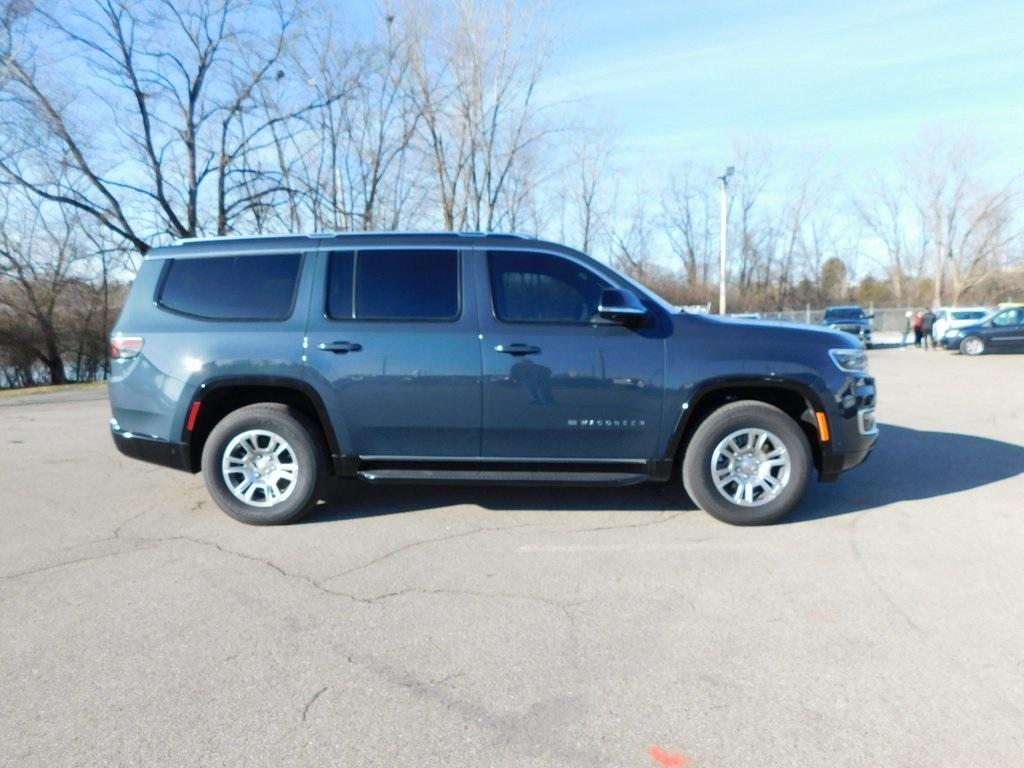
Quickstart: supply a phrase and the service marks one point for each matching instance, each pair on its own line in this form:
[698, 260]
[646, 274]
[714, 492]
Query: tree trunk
[54, 362]
[56, 368]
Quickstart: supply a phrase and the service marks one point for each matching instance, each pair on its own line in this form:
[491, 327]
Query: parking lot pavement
[882, 626]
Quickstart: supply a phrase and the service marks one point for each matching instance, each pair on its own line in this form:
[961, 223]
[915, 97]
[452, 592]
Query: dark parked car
[271, 363]
[1001, 331]
[852, 320]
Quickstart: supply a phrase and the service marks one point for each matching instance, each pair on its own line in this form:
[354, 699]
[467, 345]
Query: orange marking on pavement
[667, 759]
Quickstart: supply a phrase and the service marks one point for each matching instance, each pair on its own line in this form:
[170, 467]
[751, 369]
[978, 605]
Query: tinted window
[968, 315]
[394, 285]
[232, 287]
[542, 288]
[1009, 317]
[339, 291]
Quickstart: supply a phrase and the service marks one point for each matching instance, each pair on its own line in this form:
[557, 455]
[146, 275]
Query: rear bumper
[152, 450]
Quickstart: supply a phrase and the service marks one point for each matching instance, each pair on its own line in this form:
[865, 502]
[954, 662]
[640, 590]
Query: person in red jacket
[917, 328]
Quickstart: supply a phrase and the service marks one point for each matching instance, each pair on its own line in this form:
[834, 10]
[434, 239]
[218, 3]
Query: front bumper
[860, 331]
[854, 430]
[152, 450]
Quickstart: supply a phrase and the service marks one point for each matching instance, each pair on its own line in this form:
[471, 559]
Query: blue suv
[272, 363]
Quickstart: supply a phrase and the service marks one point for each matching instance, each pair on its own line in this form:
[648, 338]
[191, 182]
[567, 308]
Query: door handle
[339, 347]
[517, 349]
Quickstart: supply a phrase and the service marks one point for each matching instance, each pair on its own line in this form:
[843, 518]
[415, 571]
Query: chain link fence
[886, 319]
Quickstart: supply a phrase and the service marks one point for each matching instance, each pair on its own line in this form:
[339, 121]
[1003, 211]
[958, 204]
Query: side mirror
[620, 306]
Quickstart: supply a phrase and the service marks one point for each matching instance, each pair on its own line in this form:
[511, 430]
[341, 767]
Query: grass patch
[46, 390]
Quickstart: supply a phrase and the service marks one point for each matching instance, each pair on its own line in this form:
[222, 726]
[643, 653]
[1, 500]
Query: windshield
[844, 313]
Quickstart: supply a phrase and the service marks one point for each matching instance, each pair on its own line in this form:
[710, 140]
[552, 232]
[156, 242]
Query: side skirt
[474, 471]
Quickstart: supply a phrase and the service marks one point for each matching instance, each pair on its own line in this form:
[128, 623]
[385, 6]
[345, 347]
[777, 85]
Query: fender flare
[709, 387]
[219, 383]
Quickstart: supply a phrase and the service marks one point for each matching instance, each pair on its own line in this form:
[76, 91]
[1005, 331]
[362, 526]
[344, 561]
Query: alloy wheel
[750, 467]
[259, 468]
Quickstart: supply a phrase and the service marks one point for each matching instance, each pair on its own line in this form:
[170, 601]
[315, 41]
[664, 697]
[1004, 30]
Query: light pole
[722, 244]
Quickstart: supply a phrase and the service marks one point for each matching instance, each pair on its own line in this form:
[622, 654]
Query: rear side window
[232, 287]
[393, 285]
[529, 287]
[968, 315]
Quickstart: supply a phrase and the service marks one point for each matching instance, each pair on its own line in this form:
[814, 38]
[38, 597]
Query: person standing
[906, 327]
[917, 328]
[927, 324]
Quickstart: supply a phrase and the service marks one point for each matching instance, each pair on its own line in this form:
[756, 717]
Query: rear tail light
[125, 347]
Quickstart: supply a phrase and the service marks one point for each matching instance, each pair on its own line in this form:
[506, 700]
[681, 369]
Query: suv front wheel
[972, 346]
[263, 464]
[747, 464]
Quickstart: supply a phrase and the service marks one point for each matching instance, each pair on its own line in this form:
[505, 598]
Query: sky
[859, 81]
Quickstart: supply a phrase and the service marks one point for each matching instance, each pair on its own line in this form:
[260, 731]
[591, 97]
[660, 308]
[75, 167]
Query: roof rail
[321, 235]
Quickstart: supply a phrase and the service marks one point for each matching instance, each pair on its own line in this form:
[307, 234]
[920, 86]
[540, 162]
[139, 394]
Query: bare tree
[633, 242]
[360, 173]
[796, 242]
[474, 71]
[884, 215]
[590, 171]
[690, 217]
[38, 253]
[968, 223]
[751, 231]
[171, 97]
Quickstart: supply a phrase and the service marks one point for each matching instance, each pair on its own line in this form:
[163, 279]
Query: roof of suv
[219, 246]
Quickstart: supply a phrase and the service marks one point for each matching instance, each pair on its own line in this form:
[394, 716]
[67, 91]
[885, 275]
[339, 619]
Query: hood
[762, 334]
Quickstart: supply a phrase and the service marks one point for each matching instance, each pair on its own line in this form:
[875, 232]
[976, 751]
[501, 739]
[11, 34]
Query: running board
[500, 477]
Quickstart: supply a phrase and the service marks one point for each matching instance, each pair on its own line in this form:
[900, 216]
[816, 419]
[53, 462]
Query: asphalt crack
[405, 548]
[645, 524]
[68, 563]
[311, 702]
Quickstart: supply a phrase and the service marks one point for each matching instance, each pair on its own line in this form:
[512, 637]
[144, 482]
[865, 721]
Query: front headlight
[953, 333]
[850, 360]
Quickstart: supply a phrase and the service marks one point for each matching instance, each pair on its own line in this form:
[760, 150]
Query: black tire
[972, 346]
[309, 455]
[746, 414]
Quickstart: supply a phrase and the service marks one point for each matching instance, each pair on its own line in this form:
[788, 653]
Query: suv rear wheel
[263, 464]
[747, 464]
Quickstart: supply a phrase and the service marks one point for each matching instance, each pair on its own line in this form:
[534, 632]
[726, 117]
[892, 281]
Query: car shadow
[353, 499]
[890, 344]
[906, 465]
[913, 465]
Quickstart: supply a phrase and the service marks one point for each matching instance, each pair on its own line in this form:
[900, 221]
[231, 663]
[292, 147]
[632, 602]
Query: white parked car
[950, 318]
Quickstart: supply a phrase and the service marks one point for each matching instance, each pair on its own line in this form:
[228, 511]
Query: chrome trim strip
[501, 459]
